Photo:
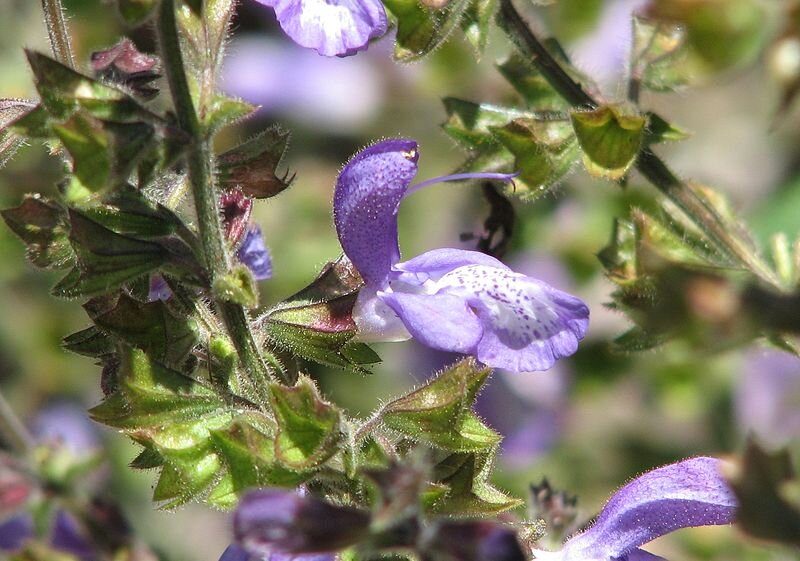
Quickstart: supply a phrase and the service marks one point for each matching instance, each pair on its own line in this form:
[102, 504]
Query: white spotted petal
[466, 302]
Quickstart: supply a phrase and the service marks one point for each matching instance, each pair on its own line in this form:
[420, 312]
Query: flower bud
[124, 64]
[277, 521]
[236, 208]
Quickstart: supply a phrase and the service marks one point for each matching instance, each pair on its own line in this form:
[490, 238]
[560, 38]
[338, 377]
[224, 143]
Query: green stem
[57, 30]
[200, 157]
[13, 432]
[704, 216]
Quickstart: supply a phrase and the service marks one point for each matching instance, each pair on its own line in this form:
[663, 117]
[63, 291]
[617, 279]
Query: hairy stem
[13, 432]
[57, 31]
[704, 216]
[205, 193]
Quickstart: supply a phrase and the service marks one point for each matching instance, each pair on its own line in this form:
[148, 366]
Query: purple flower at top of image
[448, 299]
[331, 27]
[681, 495]
[767, 400]
[253, 253]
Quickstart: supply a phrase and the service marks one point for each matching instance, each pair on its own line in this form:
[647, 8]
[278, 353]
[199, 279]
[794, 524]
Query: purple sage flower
[286, 526]
[15, 531]
[253, 253]
[689, 493]
[67, 536]
[768, 397]
[66, 425]
[448, 299]
[237, 553]
[331, 27]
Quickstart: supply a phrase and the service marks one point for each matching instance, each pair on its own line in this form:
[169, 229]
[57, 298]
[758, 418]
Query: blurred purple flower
[340, 95]
[448, 299]
[66, 425]
[768, 397]
[253, 253]
[15, 531]
[604, 54]
[689, 493]
[331, 27]
[66, 536]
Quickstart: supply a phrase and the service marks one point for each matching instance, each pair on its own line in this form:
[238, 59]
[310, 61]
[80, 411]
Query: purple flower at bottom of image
[681, 495]
[236, 553]
[15, 531]
[448, 299]
[331, 27]
[286, 525]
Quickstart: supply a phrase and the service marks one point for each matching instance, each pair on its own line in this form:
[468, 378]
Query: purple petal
[235, 553]
[271, 521]
[527, 324]
[253, 253]
[434, 264]
[376, 321]
[67, 536]
[303, 557]
[159, 289]
[688, 493]
[66, 425]
[440, 321]
[767, 397]
[365, 202]
[15, 531]
[332, 27]
[641, 555]
[450, 299]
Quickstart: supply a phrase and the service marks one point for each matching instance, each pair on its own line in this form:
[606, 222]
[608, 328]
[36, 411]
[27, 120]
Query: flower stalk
[12, 430]
[205, 193]
[703, 215]
[57, 31]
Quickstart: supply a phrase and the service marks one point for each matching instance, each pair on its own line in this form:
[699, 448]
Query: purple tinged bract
[681, 495]
[331, 27]
[449, 299]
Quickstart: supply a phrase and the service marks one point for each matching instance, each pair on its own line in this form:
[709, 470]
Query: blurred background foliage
[598, 419]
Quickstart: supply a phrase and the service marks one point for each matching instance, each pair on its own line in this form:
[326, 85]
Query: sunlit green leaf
[309, 430]
[610, 140]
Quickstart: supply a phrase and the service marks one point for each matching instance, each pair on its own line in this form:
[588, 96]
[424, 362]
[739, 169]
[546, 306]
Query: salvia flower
[237, 553]
[15, 531]
[449, 299]
[331, 27]
[689, 493]
[274, 522]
